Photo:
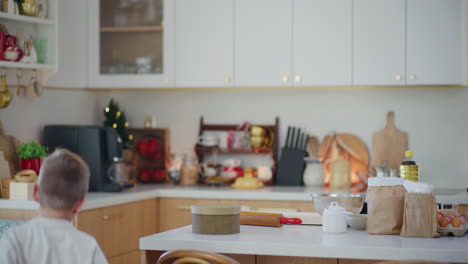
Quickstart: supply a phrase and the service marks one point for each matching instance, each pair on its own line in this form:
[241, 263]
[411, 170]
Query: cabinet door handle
[298, 79]
[398, 77]
[227, 80]
[106, 217]
[412, 77]
[285, 79]
[167, 80]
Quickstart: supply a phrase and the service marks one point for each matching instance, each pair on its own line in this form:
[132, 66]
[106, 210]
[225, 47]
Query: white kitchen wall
[26, 116]
[435, 119]
[465, 39]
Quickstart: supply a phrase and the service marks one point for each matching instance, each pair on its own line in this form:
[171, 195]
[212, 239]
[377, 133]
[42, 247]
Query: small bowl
[352, 202]
[357, 221]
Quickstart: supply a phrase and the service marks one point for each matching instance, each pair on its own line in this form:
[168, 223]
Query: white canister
[313, 173]
[334, 219]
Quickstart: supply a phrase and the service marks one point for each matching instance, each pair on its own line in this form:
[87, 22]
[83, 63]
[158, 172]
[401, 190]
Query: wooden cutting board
[389, 144]
[4, 168]
[8, 145]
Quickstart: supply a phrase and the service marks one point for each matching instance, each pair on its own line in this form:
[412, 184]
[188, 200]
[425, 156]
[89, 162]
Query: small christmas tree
[116, 119]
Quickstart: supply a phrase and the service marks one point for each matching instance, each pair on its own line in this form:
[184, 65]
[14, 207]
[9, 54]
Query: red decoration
[31, 164]
[150, 149]
[152, 175]
[158, 175]
[2, 43]
[11, 51]
[145, 175]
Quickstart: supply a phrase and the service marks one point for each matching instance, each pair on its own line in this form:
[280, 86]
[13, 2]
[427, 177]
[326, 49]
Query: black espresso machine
[98, 146]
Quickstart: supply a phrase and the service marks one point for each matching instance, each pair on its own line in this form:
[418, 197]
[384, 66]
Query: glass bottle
[189, 171]
[409, 170]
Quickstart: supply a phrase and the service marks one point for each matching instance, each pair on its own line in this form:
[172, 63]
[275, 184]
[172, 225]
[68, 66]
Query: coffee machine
[98, 146]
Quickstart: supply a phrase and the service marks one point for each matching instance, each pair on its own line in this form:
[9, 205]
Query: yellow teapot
[260, 137]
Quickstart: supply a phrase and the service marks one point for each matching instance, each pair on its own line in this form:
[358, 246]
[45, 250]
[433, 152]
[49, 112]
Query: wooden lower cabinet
[118, 228]
[175, 212]
[127, 258]
[17, 214]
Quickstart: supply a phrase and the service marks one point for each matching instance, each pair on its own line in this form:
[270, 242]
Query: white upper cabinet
[262, 41]
[379, 42]
[434, 50]
[204, 43]
[322, 42]
[131, 43]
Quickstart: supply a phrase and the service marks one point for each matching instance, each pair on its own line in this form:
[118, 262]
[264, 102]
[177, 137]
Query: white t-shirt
[49, 241]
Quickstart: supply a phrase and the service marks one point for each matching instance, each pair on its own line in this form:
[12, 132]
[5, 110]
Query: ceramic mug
[208, 141]
[264, 173]
[209, 169]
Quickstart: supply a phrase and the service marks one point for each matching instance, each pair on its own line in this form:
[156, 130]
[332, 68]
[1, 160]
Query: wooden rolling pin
[266, 219]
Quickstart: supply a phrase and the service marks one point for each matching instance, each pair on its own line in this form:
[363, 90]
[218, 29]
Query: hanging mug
[207, 141]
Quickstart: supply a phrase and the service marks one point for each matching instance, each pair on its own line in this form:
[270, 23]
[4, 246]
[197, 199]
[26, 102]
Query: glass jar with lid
[189, 170]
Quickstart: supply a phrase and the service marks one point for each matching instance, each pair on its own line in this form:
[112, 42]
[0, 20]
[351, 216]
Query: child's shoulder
[8, 224]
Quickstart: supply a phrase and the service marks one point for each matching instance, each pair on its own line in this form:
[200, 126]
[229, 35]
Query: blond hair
[63, 180]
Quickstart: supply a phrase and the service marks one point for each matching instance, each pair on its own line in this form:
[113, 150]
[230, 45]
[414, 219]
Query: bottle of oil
[409, 170]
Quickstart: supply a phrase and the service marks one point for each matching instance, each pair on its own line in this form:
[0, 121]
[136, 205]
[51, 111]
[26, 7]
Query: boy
[51, 238]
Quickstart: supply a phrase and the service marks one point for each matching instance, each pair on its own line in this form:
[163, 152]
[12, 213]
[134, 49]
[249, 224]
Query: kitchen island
[307, 244]
[119, 220]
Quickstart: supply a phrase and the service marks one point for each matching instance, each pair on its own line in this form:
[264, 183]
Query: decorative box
[21, 190]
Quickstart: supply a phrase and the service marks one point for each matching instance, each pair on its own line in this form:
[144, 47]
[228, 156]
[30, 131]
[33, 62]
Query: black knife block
[291, 167]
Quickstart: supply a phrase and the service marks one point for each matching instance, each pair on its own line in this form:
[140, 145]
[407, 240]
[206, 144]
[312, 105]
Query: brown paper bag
[385, 209]
[420, 217]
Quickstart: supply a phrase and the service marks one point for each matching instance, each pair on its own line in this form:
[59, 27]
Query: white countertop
[273, 193]
[310, 241]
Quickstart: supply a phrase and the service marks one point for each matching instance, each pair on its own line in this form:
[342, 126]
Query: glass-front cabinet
[131, 43]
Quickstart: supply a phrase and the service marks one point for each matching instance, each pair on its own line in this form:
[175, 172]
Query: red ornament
[11, 51]
[158, 175]
[150, 148]
[145, 175]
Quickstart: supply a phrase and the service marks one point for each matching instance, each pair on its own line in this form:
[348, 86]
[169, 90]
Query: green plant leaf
[30, 150]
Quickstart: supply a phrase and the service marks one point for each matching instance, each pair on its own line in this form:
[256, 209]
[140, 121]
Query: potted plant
[30, 154]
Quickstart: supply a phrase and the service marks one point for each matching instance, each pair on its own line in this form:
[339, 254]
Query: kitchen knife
[298, 137]
[288, 135]
[304, 143]
[293, 135]
[299, 142]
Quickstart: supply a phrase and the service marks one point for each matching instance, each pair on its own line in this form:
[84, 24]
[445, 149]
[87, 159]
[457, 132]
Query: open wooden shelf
[271, 151]
[132, 29]
[28, 19]
[210, 150]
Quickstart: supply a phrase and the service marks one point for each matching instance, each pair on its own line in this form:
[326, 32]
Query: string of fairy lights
[115, 125]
